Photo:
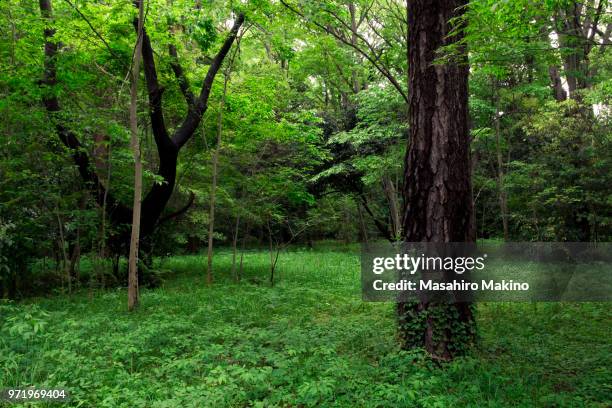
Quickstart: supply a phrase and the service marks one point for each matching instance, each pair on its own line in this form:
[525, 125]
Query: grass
[309, 341]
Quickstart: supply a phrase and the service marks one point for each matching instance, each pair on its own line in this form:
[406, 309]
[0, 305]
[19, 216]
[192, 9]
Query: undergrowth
[308, 341]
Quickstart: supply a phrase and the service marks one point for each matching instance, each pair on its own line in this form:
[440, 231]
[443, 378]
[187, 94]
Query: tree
[168, 146]
[361, 67]
[437, 182]
[135, 142]
[343, 20]
[577, 25]
[213, 188]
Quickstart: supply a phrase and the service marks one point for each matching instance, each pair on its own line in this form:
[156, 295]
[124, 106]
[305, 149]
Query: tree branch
[155, 92]
[374, 60]
[110, 50]
[593, 27]
[180, 211]
[382, 228]
[180, 76]
[194, 115]
[118, 212]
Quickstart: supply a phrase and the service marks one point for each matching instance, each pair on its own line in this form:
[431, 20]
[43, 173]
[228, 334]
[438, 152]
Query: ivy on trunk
[437, 180]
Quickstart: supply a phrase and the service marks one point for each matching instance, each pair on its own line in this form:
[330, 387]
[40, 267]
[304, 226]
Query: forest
[187, 188]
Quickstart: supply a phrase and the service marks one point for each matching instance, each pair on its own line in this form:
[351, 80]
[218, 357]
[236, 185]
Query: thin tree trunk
[116, 264]
[536, 223]
[274, 252]
[270, 249]
[353, 14]
[501, 188]
[473, 166]
[362, 226]
[213, 189]
[234, 249]
[62, 246]
[102, 251]
[76, 251]
[437, 183]
[394, 210]
[75, 257]
[135, 143]
[243, 245]
[347, 226]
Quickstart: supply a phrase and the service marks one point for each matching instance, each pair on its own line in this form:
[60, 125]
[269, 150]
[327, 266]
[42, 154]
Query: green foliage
[6, 244]
[445, 324]
[572, 201]
[307, 114]
[310, 340]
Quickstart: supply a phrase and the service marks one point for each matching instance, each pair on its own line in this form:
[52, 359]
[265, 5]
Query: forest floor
[309, 341]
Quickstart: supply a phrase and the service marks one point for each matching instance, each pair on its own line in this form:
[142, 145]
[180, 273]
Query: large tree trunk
[437, 184]
[135, 144]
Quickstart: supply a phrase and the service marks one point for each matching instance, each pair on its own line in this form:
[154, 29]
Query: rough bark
[437, 184]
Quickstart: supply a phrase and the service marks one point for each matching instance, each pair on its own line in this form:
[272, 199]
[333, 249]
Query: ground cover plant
[307, 341]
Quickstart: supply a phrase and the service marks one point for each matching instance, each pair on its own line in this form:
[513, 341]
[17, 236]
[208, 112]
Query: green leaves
[203, 32]
[27, 324]
[320, 345]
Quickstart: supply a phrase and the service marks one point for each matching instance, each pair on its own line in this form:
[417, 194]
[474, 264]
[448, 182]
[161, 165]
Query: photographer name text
[432, 285]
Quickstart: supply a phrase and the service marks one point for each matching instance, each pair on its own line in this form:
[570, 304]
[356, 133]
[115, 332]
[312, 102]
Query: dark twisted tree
[168, 146]
[437, 180]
